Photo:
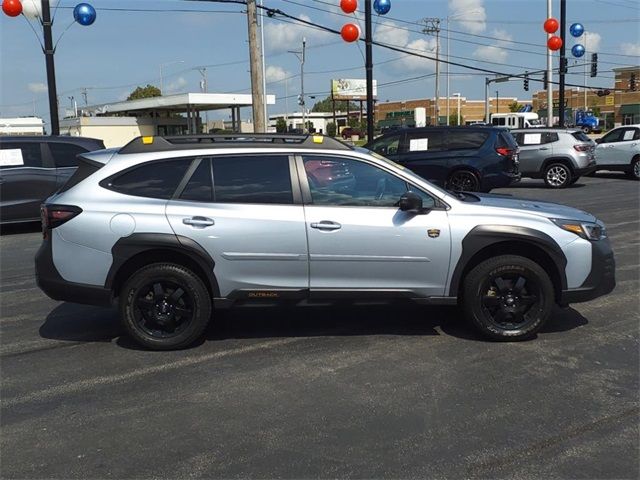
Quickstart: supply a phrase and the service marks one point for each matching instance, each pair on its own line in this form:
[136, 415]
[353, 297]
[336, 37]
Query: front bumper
[57, 288]
[601, 279]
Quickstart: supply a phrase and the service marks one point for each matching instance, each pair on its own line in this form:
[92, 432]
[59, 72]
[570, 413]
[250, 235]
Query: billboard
[351, 89]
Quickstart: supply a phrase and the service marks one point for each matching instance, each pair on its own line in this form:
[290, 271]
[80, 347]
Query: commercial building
[317, 121]
[21, 126]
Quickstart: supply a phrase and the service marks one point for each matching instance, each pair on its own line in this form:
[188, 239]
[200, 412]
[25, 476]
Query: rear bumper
[586, 170]
[601, 279]
[57, 288]
[499, 180]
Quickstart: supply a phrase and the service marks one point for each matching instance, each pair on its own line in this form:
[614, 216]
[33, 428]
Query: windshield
[405, 170]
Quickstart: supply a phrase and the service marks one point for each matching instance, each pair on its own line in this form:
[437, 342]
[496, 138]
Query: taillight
[505, 151]
[582, 148]
[55, 215]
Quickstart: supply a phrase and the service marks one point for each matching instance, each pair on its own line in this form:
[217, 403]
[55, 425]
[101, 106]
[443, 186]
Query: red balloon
[350, 32]
[349, 6]
[12, 8]
[554, 43]
[551, 25]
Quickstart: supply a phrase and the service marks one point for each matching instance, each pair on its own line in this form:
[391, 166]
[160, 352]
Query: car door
[360, 240]
[424, 152]
[616, 147]
[27, 177]
[64, 157]
[244, 211]
[533, 151]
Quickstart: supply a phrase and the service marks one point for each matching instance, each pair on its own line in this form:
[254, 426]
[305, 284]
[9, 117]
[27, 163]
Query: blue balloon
[84, 14]
[577, 50]
[576, 29]
[382, 7]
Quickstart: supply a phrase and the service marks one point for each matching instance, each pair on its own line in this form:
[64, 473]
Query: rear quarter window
[157, 179]
[467, 140]
[580, 136]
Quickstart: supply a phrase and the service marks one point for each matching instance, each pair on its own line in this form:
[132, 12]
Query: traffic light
[632, 82]
[526, 82]
[545, 80]
[564, 63]
[300, 100]
[594, 64]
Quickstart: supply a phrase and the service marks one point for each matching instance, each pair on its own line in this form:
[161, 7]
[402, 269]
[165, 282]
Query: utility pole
[302, 55]
[204, 86]
[255, 56]
[264, 72]
[368, 40]
[549, 85]
[85, 96]
[433, 26]
[49, 51]
[563, 61]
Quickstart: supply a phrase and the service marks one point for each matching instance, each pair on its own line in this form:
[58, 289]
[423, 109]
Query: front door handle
[200, 222]
[544, 148]
[326, 225]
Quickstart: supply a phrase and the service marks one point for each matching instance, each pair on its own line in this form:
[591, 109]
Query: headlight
[586, 230]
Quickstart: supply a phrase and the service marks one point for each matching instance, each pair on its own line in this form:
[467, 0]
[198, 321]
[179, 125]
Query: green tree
[145, 92]
[515, 106]
[353, 122]
[326, 105]
[331, 129]
[281, 125]
[453, 118]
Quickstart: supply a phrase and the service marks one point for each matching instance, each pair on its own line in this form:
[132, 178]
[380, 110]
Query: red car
[349, 132]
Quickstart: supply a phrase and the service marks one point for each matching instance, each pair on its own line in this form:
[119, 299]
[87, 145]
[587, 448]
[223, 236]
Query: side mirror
[382, 150]
[598, 140]
[411, 202]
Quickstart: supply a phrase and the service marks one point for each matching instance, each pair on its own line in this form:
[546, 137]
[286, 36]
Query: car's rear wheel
[463, 181]
[557, 175]
[508, 297]
[586, 130]
[634, 172]
[165, 306]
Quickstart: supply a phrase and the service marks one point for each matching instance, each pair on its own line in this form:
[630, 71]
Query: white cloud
[176, 85]
[280, 37]
[470, 15]
[273, 74]
[37, 87]
[413, 63]
[494, 53]
[591, 41]
[389, 32]
[630, 48]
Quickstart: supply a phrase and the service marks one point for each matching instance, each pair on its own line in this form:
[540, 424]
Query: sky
[131, 39]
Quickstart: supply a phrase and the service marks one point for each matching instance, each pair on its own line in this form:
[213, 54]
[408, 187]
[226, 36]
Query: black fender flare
[484, 236]
[128, 247]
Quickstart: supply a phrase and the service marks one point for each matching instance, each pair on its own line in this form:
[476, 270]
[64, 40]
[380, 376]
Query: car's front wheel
[557, 175]
[508, 297]
[463, 181]
[165, 306]
[634, 172]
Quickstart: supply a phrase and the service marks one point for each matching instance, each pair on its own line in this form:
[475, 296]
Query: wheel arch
[133, 252]
[563, 160]
[487, 241]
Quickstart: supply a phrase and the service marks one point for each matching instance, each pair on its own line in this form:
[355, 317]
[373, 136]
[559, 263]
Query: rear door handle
[200, 222]
[326, 225]
[544, 148]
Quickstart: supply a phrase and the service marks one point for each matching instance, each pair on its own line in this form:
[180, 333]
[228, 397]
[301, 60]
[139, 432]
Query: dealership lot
[327, 392]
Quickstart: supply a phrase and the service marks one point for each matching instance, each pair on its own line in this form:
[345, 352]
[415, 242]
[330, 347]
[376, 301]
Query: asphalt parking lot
[374, 392]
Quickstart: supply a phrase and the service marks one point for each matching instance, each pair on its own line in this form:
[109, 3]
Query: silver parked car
[175, 228]
[560, 157]
[619, 150]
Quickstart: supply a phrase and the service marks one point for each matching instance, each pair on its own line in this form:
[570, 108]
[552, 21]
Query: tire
[635, 169]
[557, 175]
[463, 180]
[165, 306]
[586, 130]
[574, 180]
[508, 298]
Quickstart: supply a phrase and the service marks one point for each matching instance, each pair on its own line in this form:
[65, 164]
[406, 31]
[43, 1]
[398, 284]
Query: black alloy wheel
[510, 300]
[163, 309]
[463, 181]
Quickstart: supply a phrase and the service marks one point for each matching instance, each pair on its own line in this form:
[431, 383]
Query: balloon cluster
[576, 30]
[351, 31]
[83, 13]
[551, 26]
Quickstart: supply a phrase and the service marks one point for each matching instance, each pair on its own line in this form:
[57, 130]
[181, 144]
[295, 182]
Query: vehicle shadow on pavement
[19, 228]
[79, 323]
[524, 184]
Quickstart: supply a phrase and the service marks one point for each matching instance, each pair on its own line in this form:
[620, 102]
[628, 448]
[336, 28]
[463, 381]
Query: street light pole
[563, 32]
[49, 51]
[368, 38]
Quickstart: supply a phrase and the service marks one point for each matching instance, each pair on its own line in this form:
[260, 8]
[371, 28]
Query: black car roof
[86, 142]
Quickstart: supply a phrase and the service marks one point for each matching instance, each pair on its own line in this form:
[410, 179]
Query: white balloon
[32, 9]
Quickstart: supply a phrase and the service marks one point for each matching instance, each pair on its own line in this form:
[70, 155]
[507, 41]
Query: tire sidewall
[188, 282]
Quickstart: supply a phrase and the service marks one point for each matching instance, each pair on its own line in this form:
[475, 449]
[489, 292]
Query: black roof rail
[229, 140]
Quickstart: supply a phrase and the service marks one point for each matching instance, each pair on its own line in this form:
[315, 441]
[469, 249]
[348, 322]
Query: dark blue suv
[457, 158]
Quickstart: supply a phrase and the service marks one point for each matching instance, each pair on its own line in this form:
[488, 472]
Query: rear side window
[14, 155]
[200, 185]
[460, 140]
[64, 154]
[506, 140]
[153, 179]
[252, 179]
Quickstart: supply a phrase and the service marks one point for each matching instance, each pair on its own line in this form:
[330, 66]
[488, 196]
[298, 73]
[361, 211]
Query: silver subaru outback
[175, 228]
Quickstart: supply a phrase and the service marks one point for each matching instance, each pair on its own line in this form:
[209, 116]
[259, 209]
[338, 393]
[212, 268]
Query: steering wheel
[381, 187]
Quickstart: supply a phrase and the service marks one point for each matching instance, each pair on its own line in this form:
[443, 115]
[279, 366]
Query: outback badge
[433, 233]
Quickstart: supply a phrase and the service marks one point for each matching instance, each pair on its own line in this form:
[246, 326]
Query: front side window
[613, 136]
[252, 179]
[13, 155]
[344, 182]
[153, 179]
[64, 154]
[387, 146]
